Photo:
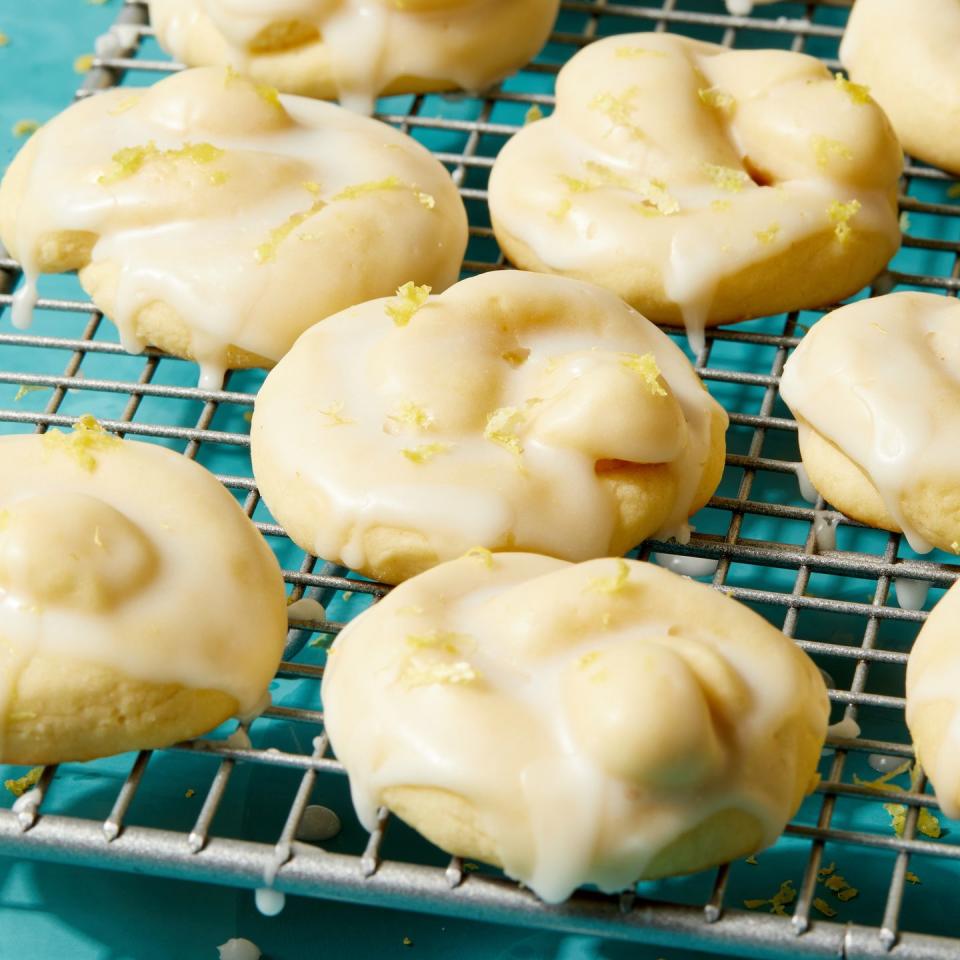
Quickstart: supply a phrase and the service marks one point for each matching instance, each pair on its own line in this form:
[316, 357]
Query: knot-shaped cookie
[356, 51]
[210, 217]
[701, 184]
[138, 604]
[875, 389]
[595, 723]
[933, 701]
[513, 412]
[906, 54]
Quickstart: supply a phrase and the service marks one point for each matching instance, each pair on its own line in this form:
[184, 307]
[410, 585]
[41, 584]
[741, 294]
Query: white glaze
[239, 948]
[807, 490]
[566, 704]
[635, 177]
[884, 762]
[202, 235]
[687, 566]
[825, 530]
[326, 417]
[360, 47]
[270, 902]
[846, 729]
[307, 608]
[880, 379]
[114, 561]
[911, 594]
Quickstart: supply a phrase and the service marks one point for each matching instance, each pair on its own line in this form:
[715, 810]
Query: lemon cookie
[701, 184]
[907, 54]
[932, 704]
[595, 723]
[138, 604]
[875, 388]
[514, 411]
[359, 49]
[212, 218]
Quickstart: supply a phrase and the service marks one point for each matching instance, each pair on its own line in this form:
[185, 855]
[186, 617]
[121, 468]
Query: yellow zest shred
[825, 150]
[357, 190]
[83, 443]
[516, 358]
[410, 414]
[25, 127]
[955, 546]
[420, 674]
[444, 640]
[953, 191]
[857, 92]
[83, 63]
[720, 206]
[533, 115]
[410, 298]
[311, 186]
[335, 416]
[22, 784]
[825, 872]
[482, 554]
[4, 39]
[619, 108]
[502, 427]
[841, 214]
[927, 823]
[717, 99]
[911, 878]
[768, 235]
[785, 895]
[264, 91]
[130, 160]
[561, 210]
[848, 893]
[654, 195]
[726, 178]
[646, 365]
[752, 860]
[823, 907]
[426, 452]
[266, 252]
[25, 389]
[614, 583]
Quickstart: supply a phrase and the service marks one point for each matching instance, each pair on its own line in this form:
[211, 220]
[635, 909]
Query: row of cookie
[594, 723]
[699, 184]
[358, 50]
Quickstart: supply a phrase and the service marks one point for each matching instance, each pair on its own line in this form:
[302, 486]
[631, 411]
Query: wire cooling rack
[825, 580]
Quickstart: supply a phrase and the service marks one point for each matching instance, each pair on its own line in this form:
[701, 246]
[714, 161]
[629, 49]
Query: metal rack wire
[788, 581]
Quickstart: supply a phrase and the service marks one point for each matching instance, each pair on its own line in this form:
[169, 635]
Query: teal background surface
[52, 911]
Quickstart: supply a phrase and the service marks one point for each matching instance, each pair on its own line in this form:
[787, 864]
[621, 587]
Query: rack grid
[761, 543]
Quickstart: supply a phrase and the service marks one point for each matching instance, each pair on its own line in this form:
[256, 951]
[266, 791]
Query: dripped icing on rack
[587, 715]
[880, 380]
[357, 49]
[487, 419]
[250, 216]
[681, 174]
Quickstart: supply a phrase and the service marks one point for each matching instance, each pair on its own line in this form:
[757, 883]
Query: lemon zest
[612, 584]
[426, 452]
[83, 63]
[408, 413]
[22, 784]
[823, 907]
[841, 214]
[86, 439]
[785, 895]
[25, 127]
[857, 92]
[646, 365]
[128, 161]
[619, 109]
[825, 149]
[410, 298]
[26, 388]
[634, 53]
[502, 427]
[334, 414]
[726, 178]
[768, 235]
[717, 99]
[482, 554]
[420, 674]
[532, 115]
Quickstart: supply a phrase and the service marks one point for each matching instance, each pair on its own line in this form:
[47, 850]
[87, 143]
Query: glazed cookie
[907, 54]
[933, 671]
[514, 412]
[701, 184]
[138, 604]
[212, 218]
[358, 49]
[875, 388]
[596, 723]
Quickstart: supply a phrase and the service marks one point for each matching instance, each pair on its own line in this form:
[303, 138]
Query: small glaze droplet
[884, 762]
[687, 566]
[911, 594]
[270, 902]
[825, 530]
[846, 729]
[239, 949]
[807, 489]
